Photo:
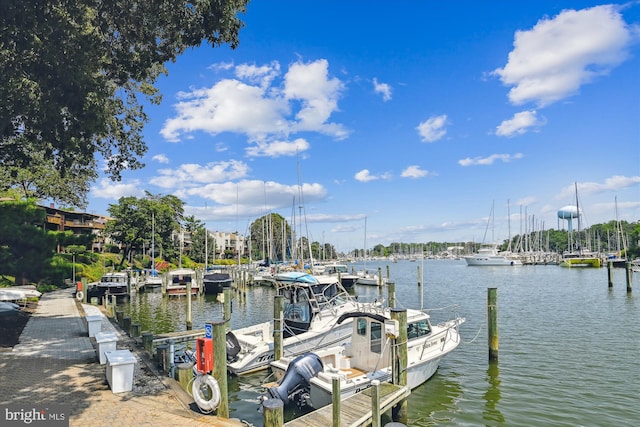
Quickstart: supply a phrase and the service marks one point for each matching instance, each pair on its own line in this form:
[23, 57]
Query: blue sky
[420, 116]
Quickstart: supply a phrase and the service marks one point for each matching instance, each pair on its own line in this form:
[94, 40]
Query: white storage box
[94, 325]
[106, 342]
[120, 365]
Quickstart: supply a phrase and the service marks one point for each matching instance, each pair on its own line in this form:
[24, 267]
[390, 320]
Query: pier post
[147, 341]
[375, 403]
[272, 413]
[419, 275]
[492, 316]
[379, 276]
[392, 293]
[278, 307]
[135, 330]
[126, 323]
[610, 273]
[335, 400]
[189, 322]
[388, 273]
[399, 412]
[226, 293]
[220, 366]
[629, 276]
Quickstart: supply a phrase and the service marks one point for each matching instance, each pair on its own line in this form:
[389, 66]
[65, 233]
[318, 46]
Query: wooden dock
[355, 410]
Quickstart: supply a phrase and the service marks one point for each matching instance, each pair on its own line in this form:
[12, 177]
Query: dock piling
[272, 413]
[220, 366]
[492, 316]
[189, 322]
[629, 277]
[335, 400]
[278, 308]
[375, 403]
[610, 273]
[399, 374]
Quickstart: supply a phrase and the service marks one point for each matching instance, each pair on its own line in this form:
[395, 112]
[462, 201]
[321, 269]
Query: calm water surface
[569, 346]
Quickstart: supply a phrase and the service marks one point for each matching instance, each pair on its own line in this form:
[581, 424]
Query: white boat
[368, 357]
[15, 293]
[490, 255]
[577, 256]
[177, 282]
[342, 271]
[312, 307]
[115, 283]
[369, 279]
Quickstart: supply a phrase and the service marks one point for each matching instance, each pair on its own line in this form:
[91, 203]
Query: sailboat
[620, 258]
[364, 277]
[490, 255]
[578, 256]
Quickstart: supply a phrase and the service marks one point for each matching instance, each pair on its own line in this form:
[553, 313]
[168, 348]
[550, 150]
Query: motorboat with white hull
[491, 256]
[312, 306]
[307, 379]
[214, 282]
[112, 284]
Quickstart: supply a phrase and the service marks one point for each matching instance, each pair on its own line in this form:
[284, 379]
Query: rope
[474, 338]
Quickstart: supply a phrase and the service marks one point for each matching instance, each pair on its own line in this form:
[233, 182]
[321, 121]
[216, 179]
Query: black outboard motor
[295, 383]
[233, 347]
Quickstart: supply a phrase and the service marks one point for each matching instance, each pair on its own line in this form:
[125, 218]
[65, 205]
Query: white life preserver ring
[200, 382]
[79, 296]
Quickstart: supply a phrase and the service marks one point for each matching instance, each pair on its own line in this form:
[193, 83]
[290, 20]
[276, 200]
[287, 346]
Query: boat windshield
[418, 329]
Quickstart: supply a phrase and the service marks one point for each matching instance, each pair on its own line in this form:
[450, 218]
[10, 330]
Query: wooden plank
[355, 409]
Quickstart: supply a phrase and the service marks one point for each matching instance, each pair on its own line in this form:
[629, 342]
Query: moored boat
[366, 358]
[215, 281]
[312, 307]
[177, 280]
[491, 256]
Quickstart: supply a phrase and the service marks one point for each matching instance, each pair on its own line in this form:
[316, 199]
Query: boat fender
[79, 295]
[233, 347]
[203, 382]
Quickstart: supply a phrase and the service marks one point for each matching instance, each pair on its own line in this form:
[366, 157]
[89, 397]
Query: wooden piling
[375, 403]
[610, 273]
[226, 293]
[629, 275]
[147, 341]
[184, 375]
[492, 316]
[380, 276]
[419, 275]
[388, 273]
[272, 413]
[399, 412]
[335, 400]
[278, 325]
[134, 331]
[220, 366]
[126, 323]
[392, 293]
[189, 322]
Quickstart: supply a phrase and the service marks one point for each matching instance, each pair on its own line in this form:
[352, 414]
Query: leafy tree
[134, 222]
[268, 231]
[75, 73]
[26, 248]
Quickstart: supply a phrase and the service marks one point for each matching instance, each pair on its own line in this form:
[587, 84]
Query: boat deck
[355, 410]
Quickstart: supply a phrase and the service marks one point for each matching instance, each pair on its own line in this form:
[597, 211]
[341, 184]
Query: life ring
[206, 381]
[79, 296]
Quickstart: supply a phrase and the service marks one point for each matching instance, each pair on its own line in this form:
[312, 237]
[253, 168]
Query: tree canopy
[74, 75]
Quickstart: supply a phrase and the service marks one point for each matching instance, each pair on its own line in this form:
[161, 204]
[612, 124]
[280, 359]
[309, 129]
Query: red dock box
[204, 355]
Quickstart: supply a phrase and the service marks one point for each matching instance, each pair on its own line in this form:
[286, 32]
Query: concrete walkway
[55, 363]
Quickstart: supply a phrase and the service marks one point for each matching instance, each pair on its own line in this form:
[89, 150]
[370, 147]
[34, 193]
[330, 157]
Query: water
[568, 354]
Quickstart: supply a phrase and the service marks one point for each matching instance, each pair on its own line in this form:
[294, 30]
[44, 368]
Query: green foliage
[75, 76]
[138, 221]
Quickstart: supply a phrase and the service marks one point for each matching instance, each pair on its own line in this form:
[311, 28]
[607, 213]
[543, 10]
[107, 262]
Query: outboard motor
[233, 347]
[295, 383]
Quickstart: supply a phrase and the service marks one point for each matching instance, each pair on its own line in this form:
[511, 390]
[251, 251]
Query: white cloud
[107, 189]
[433, 129]
[552, 60]
[383, 89]
[505, 158]
[160, 158]
[414, 171]
[278, 148]
[310, 84]
[190, 174]
[519, 124]
[615, 183]
[365, 176]
[257, 105]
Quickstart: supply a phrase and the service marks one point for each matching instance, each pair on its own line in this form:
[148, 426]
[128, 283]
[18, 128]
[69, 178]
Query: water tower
[568, 212]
